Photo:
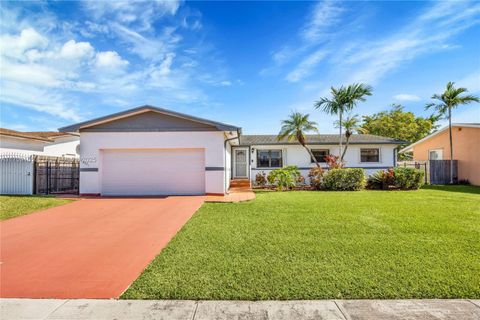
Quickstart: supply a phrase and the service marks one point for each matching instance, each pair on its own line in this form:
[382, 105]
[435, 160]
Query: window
[369, 155]
[436, 154]
[320, 154]
[269, 158]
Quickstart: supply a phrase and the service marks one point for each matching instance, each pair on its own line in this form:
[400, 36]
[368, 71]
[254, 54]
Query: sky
[248, 63]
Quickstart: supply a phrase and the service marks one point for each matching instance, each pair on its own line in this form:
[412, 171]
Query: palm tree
[351, 125]
[449, 100]
[344, 99]
[295, 127]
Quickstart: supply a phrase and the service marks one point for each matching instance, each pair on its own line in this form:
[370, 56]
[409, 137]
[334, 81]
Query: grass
[323, 245]
[14, 206]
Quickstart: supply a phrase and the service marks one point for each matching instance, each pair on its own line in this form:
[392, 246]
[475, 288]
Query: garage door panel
[153, 172]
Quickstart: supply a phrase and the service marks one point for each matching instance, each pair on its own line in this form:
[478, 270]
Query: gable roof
[260, 139]
[146, 108]
[467, 125]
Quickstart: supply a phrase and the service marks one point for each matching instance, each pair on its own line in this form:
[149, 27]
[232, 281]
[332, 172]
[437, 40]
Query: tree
[399, 124]
[344, 99]
[351, 125]
[295, 127]
[448, 100]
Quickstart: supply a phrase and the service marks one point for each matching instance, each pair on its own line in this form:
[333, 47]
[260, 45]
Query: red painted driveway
[91, 248]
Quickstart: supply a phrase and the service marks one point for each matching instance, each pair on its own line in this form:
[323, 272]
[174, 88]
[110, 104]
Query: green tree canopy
[399, 124]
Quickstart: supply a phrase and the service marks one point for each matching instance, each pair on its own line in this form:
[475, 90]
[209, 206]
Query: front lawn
[324, 245]
[14, 206]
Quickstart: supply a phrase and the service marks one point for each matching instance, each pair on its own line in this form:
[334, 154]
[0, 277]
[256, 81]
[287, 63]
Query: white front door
[240, 168]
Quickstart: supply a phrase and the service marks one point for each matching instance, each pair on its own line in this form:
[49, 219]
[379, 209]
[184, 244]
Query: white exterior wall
[63, 147]
[92, 142]
[296, 155]
[20, 145]
[228, 164]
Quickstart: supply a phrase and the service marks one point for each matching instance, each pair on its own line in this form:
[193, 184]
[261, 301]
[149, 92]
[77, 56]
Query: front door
[240, 163]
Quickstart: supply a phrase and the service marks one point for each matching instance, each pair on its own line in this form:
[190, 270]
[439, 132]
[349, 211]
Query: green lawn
[323, 245]
[14, 206]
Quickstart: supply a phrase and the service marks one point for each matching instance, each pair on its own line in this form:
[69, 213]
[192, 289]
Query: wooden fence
[436, 171]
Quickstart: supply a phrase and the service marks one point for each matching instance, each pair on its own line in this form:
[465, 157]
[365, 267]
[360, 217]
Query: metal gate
[56, 175]
[16, 173]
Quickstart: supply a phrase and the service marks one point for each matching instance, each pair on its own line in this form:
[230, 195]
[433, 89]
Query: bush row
[342, 179]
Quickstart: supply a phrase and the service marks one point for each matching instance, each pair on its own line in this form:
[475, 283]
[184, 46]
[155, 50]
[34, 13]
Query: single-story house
[47, 143]
[154, 151]
[466, 146]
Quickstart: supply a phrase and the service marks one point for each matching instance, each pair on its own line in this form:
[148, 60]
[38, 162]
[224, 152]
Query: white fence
[16, 173]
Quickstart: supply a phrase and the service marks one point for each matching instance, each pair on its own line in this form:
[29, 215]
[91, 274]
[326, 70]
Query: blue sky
[244, 63]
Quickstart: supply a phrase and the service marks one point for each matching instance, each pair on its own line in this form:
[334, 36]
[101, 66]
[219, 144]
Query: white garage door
[153, 172]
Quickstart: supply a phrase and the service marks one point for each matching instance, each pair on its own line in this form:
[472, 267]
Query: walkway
[23, 309]
[234, 195]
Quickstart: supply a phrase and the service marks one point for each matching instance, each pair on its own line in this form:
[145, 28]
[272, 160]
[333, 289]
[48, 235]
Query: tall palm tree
[295, 127]
[344, 99]
[351, 125]
[449, 100]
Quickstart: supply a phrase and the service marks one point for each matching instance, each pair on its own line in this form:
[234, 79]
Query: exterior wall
[26, 146]
[228, 164]
[466, 146]
[297, 155]
[63, 147]
[92, 142]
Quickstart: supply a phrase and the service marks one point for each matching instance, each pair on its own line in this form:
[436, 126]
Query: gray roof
[260, 139]
[219, 125]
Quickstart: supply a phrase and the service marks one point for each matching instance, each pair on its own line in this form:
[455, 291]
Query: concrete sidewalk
[20, 309]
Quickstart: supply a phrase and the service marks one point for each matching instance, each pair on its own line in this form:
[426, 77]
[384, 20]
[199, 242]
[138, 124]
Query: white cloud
[325, 14]
[406, 97]
[77, 50]
[372, 60]
[110, 61]
[140, 14]
[471, 82]
[305, 67]
[15, 46]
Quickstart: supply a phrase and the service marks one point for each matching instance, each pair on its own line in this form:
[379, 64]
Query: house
[154, 151]
[47, 143]
[466, 146]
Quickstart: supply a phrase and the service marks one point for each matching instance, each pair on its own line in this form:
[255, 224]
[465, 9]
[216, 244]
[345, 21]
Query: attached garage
[153, 172]
[153, 151]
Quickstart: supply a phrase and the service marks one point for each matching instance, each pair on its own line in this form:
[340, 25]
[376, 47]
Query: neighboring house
[466, 146]
[154, 151]
[39, 143]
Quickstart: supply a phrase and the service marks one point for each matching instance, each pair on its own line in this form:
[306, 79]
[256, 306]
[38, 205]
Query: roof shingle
[261, 139]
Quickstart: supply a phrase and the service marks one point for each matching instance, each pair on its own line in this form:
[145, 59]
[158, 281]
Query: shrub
[284, 178]
[316, 177]
[381, 180]
[408, 178]
[344, 179]
[398, 178]
[333, 162]
[261, 179]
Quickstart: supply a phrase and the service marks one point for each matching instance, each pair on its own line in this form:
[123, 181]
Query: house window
[369, 155]
[436, 154]
[320, 155]
[269, 158]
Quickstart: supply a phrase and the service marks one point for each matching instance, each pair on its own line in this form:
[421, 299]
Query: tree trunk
[345, 150]
[340, 127]
[311, 155]
[451, 143]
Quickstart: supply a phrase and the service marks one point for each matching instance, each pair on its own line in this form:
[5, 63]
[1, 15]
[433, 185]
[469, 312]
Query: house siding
[296, 155]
